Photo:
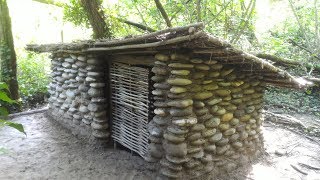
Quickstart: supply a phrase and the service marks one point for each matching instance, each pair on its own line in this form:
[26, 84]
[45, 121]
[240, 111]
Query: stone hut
[180, 98]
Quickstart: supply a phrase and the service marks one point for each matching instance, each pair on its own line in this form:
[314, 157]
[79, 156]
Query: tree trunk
[8, 60]
[96, 18]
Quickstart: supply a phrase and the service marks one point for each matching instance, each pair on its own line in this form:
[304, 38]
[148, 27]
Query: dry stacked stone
[77, 94]
[208, 117]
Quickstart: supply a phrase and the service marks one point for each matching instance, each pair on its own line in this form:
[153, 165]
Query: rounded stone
[197, 127]
[229, 132]
[176, 160]
[213, 122]
[93, 61]
[177, 130]
[93, 92]
[226, 117]
[179, 81]
[162, 57]
[215, 138]
[178, 90]
[180, 103]
[159, 71]
[177, 150]
[202, 95]
[99, 126]
[173, 138]
[185, 121]
[194, 136]
[156, 150]
[81, 58]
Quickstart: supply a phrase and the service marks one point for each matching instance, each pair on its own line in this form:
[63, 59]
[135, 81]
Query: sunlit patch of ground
[286, 151]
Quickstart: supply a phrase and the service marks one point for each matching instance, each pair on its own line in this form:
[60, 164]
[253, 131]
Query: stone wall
[208, 117]
[77, 94]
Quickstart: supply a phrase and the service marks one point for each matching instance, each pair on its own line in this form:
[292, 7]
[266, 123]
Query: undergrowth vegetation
[298, 101]
[33, 77]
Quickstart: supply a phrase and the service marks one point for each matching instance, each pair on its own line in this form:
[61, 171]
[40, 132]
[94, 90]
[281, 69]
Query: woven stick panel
[130, 106]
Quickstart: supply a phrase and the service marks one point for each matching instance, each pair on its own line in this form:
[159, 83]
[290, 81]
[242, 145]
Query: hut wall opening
[131, 106]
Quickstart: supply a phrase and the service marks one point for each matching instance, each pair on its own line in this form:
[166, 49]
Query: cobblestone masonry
[77, 94]
[208, 117]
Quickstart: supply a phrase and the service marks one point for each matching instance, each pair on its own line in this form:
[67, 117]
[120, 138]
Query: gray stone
[95, 74]
[90, 79]
[74, 66]
[93, 61]
[83, 88]
[70, 94]
[97, 85]
[82, 70]
[81, 74]
[70, 60]
[83, 109]
[94, 68]
[73, 71]
[66, 65]
[80, 79]
[101, 134]
[156, 150]
[177, 130]
[73, 86]
[177, 160]
[229, 132]
[65, 75]
[216, 137]
[222, 142]
[154, 130]
[72, 76]
[98, 100]
[81, 58]
[93, 107]
[60, 79]
[177, 150]
[100, 114]
[73, 56]
[62, 96]
[99, 126]
[60, 69]
[93, 92]
[77, 116]
[86, 121]
[80, 64]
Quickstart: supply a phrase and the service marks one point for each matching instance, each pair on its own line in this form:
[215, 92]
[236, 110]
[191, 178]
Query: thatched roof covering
[191, 38]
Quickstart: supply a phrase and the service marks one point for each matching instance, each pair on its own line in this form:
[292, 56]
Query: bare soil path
[52, 152]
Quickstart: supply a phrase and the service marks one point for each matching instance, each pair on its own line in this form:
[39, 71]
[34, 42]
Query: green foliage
[289, 100]
[74, 12]
[297, 37]
[33, 74]
[16, 126]
[230, 18]
[4, 99]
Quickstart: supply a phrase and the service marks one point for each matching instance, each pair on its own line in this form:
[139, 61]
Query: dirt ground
[52, 152]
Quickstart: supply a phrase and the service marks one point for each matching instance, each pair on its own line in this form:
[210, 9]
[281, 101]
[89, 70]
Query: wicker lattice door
[130, 106]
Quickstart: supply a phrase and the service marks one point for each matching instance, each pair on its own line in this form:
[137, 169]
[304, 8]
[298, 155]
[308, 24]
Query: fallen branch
[28, 112]
[309, 167]
[289, 121]
[297, 169]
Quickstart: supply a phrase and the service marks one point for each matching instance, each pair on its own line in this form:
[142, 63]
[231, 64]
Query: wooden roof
[192, 38]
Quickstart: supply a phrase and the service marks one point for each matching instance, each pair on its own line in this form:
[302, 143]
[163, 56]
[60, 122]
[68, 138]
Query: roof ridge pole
[149, 35]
